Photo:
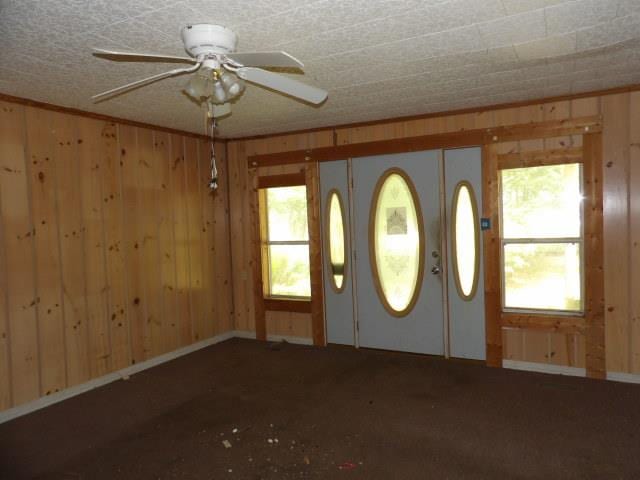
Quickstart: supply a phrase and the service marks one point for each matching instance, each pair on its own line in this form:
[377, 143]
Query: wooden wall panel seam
[227, 186]
[4, 291]
[60, 272]
[36, 298]
[125, 279]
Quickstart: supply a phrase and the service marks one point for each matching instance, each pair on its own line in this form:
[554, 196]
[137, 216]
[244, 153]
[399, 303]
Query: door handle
[435, 270]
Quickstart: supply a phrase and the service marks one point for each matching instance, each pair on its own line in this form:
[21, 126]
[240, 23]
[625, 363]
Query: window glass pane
[336, 240]
[289, 270]
[543, 276]
[396, 242]
[287, 213]
[541, 202]
[466, 240]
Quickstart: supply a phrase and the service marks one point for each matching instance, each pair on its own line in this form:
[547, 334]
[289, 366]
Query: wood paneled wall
[112, 249]
[621, 179]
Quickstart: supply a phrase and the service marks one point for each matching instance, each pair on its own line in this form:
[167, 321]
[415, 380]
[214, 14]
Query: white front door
[397, 243]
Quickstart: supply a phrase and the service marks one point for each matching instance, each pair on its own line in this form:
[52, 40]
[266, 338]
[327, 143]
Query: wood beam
[492, 288]
[312, 173]
[256, 257]
[594, 257]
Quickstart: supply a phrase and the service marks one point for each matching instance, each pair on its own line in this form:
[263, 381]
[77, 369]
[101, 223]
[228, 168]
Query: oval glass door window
[396, 242]
[466, 240]
[337, 240]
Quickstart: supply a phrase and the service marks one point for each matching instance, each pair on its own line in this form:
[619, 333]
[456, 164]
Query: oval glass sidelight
[465, 237]
[396, 242]
[336, 240]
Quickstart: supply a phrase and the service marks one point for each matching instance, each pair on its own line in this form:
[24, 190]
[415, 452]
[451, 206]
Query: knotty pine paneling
[615, 159]
[41, 167]
[111, 246]
[634, 228]
[21, 381]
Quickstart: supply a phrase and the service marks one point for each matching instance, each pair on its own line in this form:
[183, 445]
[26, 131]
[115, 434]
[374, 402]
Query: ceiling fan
[219, 71]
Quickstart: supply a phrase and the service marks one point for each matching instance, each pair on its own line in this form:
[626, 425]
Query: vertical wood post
[594, 257]
[492, 294]
[312, 179]
[256, 257]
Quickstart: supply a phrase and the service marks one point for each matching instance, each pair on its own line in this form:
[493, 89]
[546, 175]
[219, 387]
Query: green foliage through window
[542, 237]
[288, 242]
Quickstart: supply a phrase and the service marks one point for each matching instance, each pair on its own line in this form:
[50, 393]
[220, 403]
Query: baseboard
[43, 402]
[623, 377]
[274, 338]
[544, 368]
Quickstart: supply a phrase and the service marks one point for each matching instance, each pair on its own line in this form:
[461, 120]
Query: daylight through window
[542, 238]
[285, 242]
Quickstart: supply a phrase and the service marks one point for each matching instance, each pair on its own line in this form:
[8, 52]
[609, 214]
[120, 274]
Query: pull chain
[213, 183]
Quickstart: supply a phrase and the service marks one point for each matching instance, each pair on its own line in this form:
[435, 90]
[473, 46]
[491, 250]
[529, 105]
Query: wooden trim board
[256, 256]
[551, 323]
[466, 138]
[312, 174]
[285, 180]
[543, 368]
[99, 116]
[594, 257]
[287, 305]
[491, 257]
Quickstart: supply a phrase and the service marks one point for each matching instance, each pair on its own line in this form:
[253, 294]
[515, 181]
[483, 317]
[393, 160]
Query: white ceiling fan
[219, 71]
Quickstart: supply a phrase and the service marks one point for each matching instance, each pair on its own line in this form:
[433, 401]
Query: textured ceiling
[377, 58]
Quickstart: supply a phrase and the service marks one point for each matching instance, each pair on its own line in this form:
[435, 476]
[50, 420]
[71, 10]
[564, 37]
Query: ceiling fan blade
[144, 81]
[134, 56]
[266, 59]
[283, 84]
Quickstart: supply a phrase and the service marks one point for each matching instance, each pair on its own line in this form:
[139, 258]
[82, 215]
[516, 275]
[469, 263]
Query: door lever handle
[435, 269]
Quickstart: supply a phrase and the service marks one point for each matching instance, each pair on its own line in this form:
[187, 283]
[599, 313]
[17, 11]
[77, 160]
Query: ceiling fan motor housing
[203, 38]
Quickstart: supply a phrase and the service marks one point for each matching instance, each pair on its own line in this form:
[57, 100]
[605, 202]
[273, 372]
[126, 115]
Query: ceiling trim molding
[463, 138]
[98, 116]
[334, 128]
[499, 106]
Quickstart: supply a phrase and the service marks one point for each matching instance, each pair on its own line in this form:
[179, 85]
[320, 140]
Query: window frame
[422, 242]
[542, 241]
[454, 243]
[327, 222]
[277, 302]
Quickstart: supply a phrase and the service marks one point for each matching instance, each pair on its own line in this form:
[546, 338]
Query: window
[396, 240]
[465, 240]
[285, 242]
[336, 240]
[542, 238]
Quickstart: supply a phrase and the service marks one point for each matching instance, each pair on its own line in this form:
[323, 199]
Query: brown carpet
[330, 413]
